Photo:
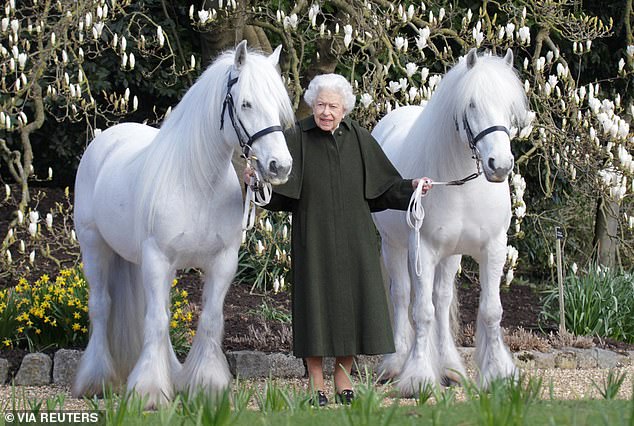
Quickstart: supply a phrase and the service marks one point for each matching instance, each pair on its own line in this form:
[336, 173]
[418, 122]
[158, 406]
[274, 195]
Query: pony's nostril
[273, 167]
[491, 163]
[283, 170]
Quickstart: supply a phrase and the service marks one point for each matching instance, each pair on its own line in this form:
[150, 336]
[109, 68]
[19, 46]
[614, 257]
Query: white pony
[469, 116]
[149, 202]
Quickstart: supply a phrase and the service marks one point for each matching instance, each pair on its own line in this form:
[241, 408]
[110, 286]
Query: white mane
[190, 150]
[491, 81]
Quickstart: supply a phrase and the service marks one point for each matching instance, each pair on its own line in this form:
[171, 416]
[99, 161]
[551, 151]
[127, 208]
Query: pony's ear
[472, 57]
[241, 55]
[508, 58]
[274, 58]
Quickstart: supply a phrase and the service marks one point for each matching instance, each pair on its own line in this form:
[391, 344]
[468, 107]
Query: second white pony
[470, 115]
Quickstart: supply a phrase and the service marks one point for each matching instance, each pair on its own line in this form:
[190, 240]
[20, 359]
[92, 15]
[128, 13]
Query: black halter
[473, 142]
[245, 139]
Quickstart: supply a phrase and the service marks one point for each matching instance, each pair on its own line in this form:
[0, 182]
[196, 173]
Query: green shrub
[264, 257]
[598, 303]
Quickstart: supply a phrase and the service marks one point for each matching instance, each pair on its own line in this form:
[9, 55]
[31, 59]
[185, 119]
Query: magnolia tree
[52, 55]
[574, 166]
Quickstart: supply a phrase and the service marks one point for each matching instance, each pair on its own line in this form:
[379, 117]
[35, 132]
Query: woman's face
[328, 110]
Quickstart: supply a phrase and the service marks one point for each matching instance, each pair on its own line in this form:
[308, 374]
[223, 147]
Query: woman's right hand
[248, 174]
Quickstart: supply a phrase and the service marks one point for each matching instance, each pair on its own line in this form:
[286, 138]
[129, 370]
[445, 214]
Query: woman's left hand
[427, 184]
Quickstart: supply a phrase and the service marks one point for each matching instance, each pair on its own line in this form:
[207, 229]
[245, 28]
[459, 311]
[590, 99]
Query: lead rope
[414, 215]
[258, 194]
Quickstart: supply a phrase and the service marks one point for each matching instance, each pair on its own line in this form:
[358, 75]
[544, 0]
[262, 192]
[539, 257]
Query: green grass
[505, 403]
[586, 412]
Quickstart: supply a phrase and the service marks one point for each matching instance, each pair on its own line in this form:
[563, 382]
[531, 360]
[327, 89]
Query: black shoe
[345, 397]
[322, 400]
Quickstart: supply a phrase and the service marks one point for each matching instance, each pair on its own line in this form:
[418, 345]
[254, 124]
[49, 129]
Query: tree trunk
[605, 231]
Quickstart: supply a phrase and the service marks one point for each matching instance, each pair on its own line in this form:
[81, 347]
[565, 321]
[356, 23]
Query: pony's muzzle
[497, 171]
[277, 172]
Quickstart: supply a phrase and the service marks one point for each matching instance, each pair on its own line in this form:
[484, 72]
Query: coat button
[339, 133]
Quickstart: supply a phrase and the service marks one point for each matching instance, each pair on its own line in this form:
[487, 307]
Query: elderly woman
[340, 175]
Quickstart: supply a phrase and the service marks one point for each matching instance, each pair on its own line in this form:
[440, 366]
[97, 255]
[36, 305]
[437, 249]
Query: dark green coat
[340, 306]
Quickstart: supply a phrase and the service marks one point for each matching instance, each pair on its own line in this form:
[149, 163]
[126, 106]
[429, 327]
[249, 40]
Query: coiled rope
[258, 194]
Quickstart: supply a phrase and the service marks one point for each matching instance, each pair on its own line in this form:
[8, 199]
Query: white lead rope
[414, 215]
[258, 194]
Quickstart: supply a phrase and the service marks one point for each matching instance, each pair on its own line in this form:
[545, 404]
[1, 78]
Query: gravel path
[564, 384]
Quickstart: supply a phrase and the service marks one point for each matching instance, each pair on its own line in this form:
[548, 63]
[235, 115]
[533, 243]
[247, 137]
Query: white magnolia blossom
[32, 229]
[7, 190]
[433, 81]
[400, 43]
[630, 50]
[49, 220]
[574, 268]
[478, 36]
[203, 16]
[625, 159]
[424, 73]
[34, 216]
[410, 69]
[512, 255]
[621, 64]
[403, 83]
[132, 61]
[9, 257]
[552, 80]
[160, 36]
[32, 257]
[366, 100]
[394, 86]
[423, 38]
[347, 38]
[312, 14]
[22, 58]
[441, 14]
[412, 93]
[509, 29]
[520, 210]
[501, 32]
[291, 22]
[508, 277]
[551, 260]
[97, 29]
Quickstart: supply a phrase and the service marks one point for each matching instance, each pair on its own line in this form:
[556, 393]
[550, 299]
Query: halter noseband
[473, 144]
[244, 138]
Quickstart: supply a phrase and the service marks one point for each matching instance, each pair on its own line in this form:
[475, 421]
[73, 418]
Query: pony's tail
[127, 311]
[110, 355]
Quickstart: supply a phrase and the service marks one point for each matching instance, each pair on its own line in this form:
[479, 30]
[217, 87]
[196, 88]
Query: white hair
[332, 83]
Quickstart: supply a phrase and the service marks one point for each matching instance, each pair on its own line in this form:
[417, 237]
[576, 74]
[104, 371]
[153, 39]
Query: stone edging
[38, 369]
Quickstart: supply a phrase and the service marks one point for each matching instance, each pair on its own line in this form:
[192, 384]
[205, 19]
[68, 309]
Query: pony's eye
[246, 105]
[472, 105]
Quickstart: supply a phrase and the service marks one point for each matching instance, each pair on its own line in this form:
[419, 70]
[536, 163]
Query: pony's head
[255, 111]
[492, 101]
